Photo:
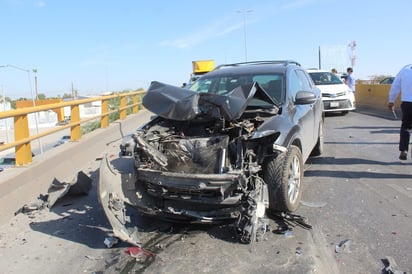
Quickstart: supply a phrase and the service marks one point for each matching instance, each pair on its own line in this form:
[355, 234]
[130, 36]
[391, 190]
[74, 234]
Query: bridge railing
[23, 139]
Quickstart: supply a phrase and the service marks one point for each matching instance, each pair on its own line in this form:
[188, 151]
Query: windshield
[222, 84]
[325, 78]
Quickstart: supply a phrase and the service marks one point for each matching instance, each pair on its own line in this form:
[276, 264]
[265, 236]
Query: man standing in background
[403, 84]
[350, 80]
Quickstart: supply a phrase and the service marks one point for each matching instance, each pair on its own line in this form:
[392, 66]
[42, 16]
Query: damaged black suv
[225, 150]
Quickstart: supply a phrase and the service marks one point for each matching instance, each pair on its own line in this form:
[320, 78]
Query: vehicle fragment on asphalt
[109, 242]
[391, 267]
[80, 185]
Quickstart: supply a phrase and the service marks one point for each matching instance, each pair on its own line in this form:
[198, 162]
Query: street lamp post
[32, 97]
[244, 12]
[35, 83]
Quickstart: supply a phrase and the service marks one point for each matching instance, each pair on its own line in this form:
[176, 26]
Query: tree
[41, 96]
[67, 95]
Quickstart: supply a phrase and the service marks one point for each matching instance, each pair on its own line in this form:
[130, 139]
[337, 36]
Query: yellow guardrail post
[123, 111]
[23, 151]
[75, 132]
[104, 122]
[136, 103]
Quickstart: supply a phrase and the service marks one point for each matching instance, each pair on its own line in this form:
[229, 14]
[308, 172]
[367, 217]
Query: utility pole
[244, 12]
[35, 83]
[352, 46]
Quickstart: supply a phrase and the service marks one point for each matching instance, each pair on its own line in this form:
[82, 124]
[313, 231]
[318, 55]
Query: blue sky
[100, 46]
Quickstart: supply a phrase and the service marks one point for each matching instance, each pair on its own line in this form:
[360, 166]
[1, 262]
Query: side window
[305, 82]
[294, 83]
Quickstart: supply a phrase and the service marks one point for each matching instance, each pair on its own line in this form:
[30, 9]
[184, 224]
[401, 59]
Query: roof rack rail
[284, 62]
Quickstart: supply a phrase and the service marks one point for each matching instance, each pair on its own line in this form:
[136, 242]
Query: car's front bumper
[193, 198]
[199, 198]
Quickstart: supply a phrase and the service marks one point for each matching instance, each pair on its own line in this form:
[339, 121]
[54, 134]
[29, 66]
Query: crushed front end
[204, 170]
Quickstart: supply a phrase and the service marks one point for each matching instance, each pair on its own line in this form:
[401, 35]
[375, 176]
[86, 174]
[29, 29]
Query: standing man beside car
[350, 80]
[403, 84]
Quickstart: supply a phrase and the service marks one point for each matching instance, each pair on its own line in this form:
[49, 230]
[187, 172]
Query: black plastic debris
[291, 220]
[342, 246]
[391, 267]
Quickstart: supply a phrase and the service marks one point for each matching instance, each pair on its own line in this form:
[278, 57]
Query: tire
[284, 176]
[319, 147]
[344, 112]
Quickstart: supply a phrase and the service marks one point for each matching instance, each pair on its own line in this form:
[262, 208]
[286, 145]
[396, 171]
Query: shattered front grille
[198, 188]
[179, 193]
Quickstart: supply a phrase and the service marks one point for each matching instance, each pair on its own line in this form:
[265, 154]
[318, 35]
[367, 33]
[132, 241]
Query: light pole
[244, 12]
[35, 83]
[32, 98]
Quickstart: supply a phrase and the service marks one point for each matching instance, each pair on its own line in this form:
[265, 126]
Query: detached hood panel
[182, 104]
[171, 102]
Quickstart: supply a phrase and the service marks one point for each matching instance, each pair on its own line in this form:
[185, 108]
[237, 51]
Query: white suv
[336, 95]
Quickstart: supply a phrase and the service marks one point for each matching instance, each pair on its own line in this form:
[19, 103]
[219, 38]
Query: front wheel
[284, 175]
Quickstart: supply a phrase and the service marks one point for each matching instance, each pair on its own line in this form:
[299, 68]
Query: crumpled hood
[180, 104]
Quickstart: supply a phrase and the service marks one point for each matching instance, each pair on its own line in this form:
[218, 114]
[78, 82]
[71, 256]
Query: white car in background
[336, 95]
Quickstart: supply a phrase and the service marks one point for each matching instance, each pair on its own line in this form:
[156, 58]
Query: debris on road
[299, 251]
[292, 219]
[391, 266]
[110, 242]
[139, 253]
[80, 185]
[342, 246]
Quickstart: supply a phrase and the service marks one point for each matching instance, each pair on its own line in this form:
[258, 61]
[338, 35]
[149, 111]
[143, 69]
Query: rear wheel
[284, 175]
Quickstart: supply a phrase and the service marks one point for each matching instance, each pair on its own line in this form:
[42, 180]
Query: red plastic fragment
[139, 253]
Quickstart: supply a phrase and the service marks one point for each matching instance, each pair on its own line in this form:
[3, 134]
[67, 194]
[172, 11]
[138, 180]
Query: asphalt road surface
[357, 199]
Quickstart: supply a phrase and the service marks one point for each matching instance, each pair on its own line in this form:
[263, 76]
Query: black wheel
[284, 175]
[318, 149]
[344, 112]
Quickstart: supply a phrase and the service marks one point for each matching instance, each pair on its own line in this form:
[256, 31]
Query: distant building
[334, 56]
[86, 110]
[8, 122]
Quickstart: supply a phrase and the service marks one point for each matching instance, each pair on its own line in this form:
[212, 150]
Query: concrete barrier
[373, 100]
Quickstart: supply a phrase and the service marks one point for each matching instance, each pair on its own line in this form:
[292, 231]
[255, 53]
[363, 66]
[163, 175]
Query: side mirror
[305, 98]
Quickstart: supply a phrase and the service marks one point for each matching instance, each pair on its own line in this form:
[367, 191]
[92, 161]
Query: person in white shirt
[402, 84]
